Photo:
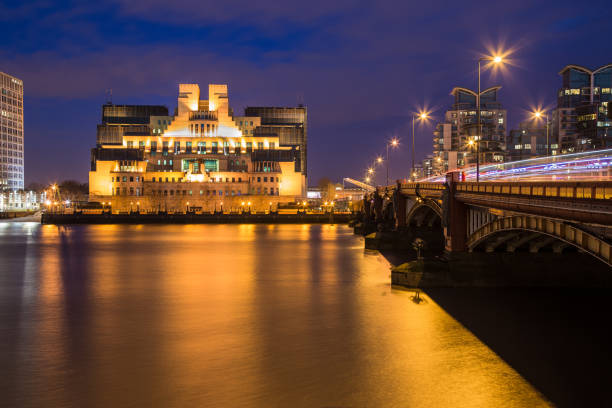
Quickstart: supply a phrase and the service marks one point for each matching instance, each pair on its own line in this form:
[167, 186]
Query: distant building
[451, 148]
[528, 141]
[21, 200]
[581, 121]
[202, 157]
[11, 132]
[428, 166]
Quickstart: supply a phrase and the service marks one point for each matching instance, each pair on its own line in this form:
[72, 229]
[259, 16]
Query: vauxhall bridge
[549, 213]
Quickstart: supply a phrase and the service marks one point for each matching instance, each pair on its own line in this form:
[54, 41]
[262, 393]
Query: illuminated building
[11, 132]
[286, 123]
[427, 165]
[528, 141]
[202, 157]
[581, 120]
[451, 147]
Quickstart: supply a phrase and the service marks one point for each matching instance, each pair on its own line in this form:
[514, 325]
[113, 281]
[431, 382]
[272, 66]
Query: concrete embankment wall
[60, 219]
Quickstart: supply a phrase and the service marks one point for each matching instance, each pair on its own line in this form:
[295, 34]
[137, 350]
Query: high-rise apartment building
[455, 138]
[202, 157]
[11, 132]
[580, 122]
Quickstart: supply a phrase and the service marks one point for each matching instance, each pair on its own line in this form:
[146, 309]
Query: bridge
[482, 221]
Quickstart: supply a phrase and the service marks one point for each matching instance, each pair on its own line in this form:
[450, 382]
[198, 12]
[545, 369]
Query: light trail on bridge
[592, 165]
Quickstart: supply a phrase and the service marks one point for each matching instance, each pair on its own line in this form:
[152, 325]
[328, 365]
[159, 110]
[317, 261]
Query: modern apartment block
[11, 132]
[580, 121]
[529, 141]
[456, 136]
[202, 157]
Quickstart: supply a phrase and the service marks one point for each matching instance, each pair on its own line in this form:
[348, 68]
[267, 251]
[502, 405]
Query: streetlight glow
[497, 59]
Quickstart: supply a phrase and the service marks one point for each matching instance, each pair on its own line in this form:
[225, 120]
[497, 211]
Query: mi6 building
[201, 157]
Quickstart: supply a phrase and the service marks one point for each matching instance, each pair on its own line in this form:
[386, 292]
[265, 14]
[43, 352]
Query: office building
[11, 132]
[455, 138]
[201, 158]
[580, 122]
[287, 124]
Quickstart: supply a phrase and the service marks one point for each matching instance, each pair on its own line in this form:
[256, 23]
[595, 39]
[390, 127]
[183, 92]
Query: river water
[241, 316]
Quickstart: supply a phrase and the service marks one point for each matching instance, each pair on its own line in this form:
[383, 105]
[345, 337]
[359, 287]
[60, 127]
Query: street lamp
[392, 143]
[496, 60]
[538, 115]
[421, 116]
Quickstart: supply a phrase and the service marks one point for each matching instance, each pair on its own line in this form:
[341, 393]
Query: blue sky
[361, 67]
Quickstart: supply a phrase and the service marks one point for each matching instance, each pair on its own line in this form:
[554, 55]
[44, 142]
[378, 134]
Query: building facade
[288, 124]
[454, 139]
[580, 121]
[11, 133]
[529, 141]
[201, 158]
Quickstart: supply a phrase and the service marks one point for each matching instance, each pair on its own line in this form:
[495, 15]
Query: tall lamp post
[421, 116]
[538, 115]
[495, 60]
[392, 143]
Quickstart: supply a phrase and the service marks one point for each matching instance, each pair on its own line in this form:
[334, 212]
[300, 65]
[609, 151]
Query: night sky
[362, 67]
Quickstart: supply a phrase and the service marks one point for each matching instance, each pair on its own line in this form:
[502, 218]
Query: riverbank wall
[189, 218]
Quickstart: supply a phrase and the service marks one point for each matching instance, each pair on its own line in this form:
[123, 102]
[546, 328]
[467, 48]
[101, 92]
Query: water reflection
[228, 315]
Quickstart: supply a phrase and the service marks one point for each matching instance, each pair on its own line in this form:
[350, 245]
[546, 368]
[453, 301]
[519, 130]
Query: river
[255, 316]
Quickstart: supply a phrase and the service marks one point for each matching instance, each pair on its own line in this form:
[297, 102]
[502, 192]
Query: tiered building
[451, 142]
[201, 158]
[11, 132]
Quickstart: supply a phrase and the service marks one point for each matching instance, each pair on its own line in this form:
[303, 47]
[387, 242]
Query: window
[124, 179]
[259, 179]
[260, 145]
[130, 144]
[265, 179]
[272, 145]
[132, 178]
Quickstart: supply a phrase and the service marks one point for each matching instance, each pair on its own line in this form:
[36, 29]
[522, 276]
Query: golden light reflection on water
[239, 315]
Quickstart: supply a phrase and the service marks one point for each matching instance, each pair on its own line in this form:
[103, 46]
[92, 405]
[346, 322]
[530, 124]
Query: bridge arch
[556, 230]
[424, 212]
